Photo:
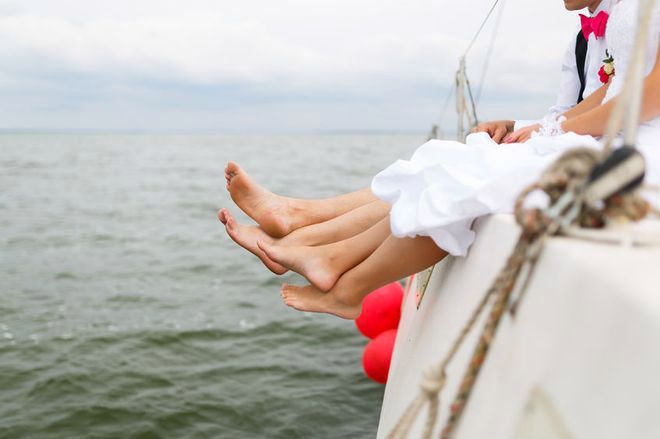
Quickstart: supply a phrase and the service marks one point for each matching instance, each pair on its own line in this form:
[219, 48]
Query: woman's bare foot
[319, 265]
[269, 210]
[247, 237]
[311, 299]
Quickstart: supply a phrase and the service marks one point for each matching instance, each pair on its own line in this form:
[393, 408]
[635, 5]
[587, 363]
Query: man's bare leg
[278, 215]
[395, 259]
[336, 229]
[323, 265]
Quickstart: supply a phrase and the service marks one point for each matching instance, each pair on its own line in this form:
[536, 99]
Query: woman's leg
[395, 259]
[277, 215]
[322, 265]
[247, 237]
[337, 229]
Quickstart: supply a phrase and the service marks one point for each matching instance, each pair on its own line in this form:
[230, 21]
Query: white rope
[618, 234]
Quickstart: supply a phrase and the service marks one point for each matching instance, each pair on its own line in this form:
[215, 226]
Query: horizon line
[137, 131]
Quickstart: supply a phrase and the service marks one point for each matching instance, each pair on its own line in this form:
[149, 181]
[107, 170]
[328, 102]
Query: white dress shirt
[569, 88]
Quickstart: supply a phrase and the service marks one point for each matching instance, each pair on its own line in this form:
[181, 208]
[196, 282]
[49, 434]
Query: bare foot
[222, 216]
[317, 264]
[270, 211]
[311, 299]
[247, 237]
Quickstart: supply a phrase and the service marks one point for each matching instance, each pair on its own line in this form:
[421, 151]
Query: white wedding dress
[446, 185]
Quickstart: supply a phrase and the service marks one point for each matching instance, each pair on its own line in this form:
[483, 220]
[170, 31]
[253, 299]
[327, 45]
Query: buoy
[381, 310]
[378, 355]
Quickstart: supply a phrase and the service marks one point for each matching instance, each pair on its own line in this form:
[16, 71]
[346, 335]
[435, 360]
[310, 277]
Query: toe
[289, 301]
[232, 168]
[266, 249]
[271, 251]
[230, 222]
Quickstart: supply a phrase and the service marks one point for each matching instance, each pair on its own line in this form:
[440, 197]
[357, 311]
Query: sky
[271, 66]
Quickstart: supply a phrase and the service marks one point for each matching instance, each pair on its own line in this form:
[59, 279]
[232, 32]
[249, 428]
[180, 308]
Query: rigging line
[452, 89]
[489, 54]
[492, 8]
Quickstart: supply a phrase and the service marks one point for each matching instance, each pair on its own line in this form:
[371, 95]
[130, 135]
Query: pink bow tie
[595, 24]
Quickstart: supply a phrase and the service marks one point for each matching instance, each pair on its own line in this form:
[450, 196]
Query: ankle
[338, 253]
[345, 296]
[298, 212]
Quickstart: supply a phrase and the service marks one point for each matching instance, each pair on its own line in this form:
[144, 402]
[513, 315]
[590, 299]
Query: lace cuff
[551, 126]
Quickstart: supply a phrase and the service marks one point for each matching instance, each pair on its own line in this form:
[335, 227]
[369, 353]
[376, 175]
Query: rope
[434, 381]
[569, 174]
[502, 289]
[483, 24]
[489, 53]
[621, 236]
[461, 84]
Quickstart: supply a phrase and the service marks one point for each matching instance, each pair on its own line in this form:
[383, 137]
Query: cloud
[209, 50]
[261, 53]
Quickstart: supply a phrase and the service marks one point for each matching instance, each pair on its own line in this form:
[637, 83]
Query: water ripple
[127, 312]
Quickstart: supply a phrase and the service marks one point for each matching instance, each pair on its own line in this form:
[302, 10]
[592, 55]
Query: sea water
[126, 311]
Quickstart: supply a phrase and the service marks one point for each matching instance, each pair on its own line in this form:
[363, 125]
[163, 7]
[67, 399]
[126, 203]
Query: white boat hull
[581, 359]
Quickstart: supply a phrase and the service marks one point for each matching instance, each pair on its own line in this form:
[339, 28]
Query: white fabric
[446, 184]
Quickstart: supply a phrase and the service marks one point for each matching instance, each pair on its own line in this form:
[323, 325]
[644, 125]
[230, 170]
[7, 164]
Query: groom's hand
[497, 129]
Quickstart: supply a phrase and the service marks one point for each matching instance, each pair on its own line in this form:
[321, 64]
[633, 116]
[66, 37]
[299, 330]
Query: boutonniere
[607, 69]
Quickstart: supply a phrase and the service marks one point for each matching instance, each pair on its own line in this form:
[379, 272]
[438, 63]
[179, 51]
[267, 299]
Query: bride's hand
[522, 135]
